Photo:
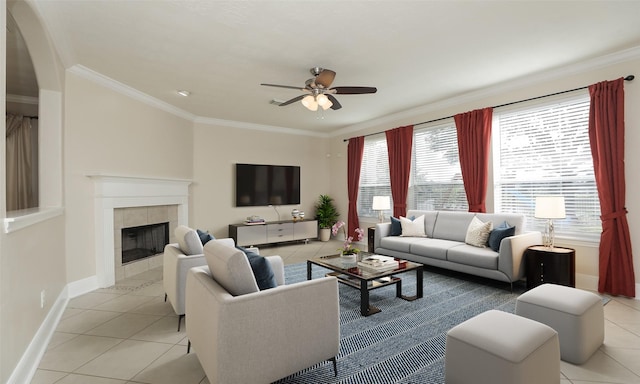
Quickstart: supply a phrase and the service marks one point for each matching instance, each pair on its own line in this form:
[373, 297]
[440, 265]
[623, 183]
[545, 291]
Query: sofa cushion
[433, 248]
[476, 257]
[205, 237]
[188, 240]
[429, 219]
[514, 219]
[500, 232]
[452, 225]
[262, 271]
[478, 233]
[412, 228]
[398, 243]
[230, 268]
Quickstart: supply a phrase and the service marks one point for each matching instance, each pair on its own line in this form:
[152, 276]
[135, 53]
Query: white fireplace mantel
[117, 191]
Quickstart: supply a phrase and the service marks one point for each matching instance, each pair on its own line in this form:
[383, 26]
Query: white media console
[273, 232]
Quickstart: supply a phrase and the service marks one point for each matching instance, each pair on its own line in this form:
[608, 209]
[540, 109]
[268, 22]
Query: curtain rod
[628, 78]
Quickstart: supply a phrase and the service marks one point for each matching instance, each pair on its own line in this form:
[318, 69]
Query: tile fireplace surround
[141, 199]
[135, 217]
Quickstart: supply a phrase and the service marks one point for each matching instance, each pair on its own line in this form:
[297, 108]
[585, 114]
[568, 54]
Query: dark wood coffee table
[349, 274]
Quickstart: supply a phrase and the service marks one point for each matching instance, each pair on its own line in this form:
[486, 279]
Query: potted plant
[327, 215]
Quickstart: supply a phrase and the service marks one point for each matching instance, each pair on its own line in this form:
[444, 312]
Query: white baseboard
[26, 368]
[590, 283]
[587, 282]
[83, 286]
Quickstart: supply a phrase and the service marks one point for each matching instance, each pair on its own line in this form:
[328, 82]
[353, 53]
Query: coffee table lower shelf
[365, 286]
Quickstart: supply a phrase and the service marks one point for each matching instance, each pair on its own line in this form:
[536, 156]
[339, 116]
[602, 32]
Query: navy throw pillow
[205, 237]
[396, 227]
[261, 270]
[500, 232]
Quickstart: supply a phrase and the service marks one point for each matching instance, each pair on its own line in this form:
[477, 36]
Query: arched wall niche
[50, 75]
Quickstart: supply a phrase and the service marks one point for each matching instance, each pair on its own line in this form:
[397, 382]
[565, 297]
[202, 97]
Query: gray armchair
[178, 258]
[260, 336]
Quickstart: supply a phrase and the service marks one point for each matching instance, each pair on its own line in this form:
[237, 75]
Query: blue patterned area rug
[405, 343]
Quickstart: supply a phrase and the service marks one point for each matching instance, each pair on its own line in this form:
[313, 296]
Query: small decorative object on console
[254, 220]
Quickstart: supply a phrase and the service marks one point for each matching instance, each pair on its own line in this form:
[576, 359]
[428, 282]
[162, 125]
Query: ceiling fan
[317, 92]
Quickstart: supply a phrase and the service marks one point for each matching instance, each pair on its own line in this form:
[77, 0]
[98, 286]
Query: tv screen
[260, 185]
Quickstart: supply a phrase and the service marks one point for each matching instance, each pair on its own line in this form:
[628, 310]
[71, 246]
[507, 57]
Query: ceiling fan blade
[283, 86]
[292, 100]
[325, 78]
[336, 105]
[353, 90]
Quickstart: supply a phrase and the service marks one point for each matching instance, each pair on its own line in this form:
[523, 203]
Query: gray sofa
[445, 245]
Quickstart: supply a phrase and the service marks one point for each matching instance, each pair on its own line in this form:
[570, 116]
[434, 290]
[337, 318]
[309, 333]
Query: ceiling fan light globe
[322, 100]
[327, 105]
[310, 103]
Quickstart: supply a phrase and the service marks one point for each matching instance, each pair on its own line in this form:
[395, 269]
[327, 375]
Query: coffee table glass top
[350, 267]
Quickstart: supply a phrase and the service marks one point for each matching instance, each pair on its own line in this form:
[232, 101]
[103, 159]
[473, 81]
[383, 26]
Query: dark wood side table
[555, 265]
[371, 236]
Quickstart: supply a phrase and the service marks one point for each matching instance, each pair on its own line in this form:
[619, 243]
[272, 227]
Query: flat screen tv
[262, 185]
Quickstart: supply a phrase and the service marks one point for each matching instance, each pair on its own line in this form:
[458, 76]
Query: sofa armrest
[277, 265]
[382, 230]
[510, 258]
[235, 337]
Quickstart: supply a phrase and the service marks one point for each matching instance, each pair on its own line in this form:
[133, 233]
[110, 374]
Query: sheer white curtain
[21, 167]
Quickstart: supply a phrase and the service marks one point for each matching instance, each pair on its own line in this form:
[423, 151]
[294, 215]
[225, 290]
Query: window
[374, 175]
[544, 150]
[436, 179]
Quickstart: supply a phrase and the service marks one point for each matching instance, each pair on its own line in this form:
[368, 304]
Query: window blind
[436, 178]
[374, 175]
[544, 150]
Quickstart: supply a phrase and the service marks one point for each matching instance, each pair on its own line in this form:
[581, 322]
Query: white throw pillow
[478, 233]
[413, 228]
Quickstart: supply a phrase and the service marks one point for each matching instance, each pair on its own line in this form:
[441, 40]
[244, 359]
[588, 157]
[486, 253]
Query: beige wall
[107, 132]
[32, 258]
[216, 151]
[586, 254]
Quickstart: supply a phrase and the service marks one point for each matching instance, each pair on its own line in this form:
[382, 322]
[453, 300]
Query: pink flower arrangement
[347, 247]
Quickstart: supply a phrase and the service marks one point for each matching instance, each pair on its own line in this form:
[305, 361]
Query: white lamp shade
[381, 203]
[550, 207]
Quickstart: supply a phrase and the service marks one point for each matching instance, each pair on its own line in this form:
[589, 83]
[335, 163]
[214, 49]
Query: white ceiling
[414, 52]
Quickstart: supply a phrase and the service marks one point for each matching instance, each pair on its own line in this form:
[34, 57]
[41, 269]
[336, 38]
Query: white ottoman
[576, 315]
[498, 347]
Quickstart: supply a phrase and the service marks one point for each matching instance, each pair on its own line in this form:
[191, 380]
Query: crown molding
[522, 82]
[126, 90]
[131, 92]
[258, 127]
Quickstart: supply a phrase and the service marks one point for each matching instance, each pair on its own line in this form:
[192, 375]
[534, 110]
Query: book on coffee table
[378, 263]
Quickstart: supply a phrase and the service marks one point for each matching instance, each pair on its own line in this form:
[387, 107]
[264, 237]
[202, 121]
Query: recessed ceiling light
[184, 93]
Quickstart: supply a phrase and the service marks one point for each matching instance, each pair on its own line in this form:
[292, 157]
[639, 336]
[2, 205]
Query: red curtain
[399, 145]
[606, 136]
[355, 150]
[474, 139]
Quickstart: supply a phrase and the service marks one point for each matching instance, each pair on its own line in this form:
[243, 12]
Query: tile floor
[127, 334]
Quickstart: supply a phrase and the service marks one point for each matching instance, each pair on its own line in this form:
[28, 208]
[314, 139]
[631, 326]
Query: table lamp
[380, 204]
[549, 207]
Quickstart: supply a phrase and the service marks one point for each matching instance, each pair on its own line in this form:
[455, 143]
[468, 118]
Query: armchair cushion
[188, 240]
[230, 268]
[262, 271]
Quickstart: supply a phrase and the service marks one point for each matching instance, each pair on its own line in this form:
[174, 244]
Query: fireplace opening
[144, 241]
